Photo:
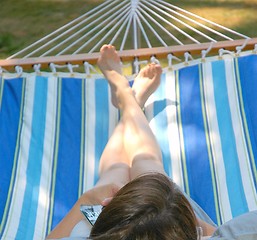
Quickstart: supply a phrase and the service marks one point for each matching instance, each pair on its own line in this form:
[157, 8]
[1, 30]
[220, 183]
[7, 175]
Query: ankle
[140, 100]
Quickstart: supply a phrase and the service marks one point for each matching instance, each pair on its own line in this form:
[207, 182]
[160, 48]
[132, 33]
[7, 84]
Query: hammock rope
[72, 36]
[113, 20]
[160, 26]
[153, 12]
[122, 23]
[140, 54]
[199, 18]
[102, 7]
[157, 8]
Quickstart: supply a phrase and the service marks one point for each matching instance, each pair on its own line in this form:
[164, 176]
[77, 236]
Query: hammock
[54, 128]
[55, 125]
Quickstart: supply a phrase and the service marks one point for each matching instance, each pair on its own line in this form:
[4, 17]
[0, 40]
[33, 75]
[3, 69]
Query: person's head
[149, 207]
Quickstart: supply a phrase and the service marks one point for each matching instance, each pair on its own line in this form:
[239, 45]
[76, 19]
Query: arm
[91, 197]
[208, 229]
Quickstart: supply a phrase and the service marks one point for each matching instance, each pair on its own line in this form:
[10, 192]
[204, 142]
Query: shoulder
[81, 230]
[243, 227]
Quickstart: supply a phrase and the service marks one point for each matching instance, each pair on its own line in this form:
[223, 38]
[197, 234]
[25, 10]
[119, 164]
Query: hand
[106, 201]
[94, 196]
[97, 195]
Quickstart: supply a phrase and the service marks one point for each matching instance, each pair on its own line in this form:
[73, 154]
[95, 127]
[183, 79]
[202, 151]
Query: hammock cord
[161, 27]
[157, 8]
[95, 29]
[99, 26]
[144, 33]
[120, 17]
[193, 22]
[102, 7]
[201, 18]
[123, 23]
[71, 36]
[170, 24]
[125, 37]
[151, 28]
[119, 30]
[134, 6]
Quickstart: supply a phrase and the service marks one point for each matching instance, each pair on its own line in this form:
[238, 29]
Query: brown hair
[149, 207]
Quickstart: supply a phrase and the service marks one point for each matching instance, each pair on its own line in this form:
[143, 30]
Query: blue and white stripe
[54, 127]
[215, 141]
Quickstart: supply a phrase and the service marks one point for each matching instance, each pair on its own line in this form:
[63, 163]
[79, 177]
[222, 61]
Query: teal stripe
[101, 121]
[233, 177]
[29, 208]
[209, 147]
[161, 124]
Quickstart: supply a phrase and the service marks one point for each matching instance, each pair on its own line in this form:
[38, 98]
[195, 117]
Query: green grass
[25, 21]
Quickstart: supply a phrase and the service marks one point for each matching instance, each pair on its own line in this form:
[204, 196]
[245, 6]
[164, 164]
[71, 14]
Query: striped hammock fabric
[54, 127]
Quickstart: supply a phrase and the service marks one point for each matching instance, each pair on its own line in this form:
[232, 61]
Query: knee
[148, 158]
[144, 163]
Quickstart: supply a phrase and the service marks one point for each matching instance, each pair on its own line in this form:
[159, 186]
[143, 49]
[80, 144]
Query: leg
[116, 158]
[139, 142]
[146, 82]
[144, 85]
[114, 164]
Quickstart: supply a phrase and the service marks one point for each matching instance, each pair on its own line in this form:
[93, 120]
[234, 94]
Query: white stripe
[243, 156]
[47, 160]
[90, 134]
[20, 182]
[215, 141]
[172, 129]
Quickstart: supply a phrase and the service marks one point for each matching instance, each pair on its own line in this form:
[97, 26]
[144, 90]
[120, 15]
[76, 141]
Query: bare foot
[109, 60]
[109, 64]
[146, 82]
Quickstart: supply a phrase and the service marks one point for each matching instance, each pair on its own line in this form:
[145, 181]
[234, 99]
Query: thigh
[144, 163]
[118, 174]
